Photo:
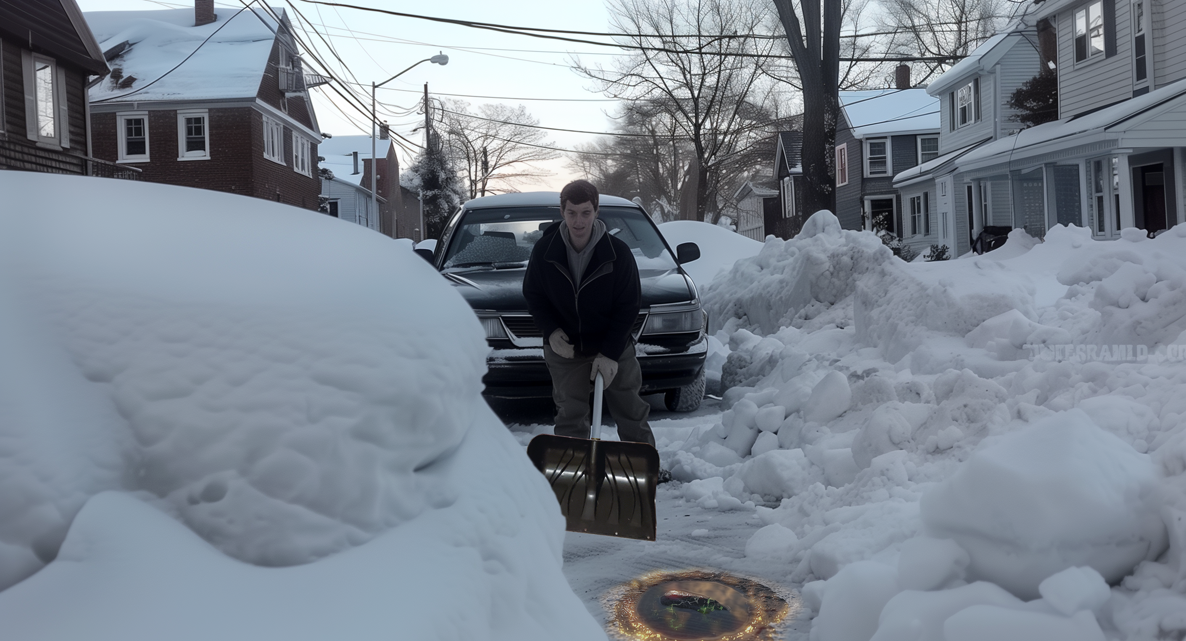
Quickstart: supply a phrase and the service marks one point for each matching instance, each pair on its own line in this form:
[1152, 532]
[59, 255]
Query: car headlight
[493, 327]
[674, 322]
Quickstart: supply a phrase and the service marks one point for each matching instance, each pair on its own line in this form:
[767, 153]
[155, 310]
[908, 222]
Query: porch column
[1127, 217]
[1179, 211]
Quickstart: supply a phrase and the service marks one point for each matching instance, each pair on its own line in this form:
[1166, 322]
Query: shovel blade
[604, 487]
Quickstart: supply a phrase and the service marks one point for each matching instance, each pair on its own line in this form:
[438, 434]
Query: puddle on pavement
[697, 605]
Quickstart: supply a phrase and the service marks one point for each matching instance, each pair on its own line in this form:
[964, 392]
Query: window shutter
[30, 95]
[976, 97]
[1109, 9]
[63, 108]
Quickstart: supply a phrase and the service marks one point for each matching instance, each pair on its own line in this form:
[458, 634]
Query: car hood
[502, 289]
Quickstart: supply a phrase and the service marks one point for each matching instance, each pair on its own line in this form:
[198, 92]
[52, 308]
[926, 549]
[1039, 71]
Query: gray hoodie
[578, 261]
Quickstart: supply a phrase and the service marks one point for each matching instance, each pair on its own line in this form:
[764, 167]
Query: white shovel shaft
[598, 383]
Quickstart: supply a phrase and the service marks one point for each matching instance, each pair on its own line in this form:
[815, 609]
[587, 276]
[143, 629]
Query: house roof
[171, 59]
[35, 21]
[924, 171]
[338, 153]
[879, 112]
[981, 59]
[1111, 123]
[788, 156]
[760, 187]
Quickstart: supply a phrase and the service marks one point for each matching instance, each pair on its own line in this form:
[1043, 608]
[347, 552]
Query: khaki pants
[571, 389]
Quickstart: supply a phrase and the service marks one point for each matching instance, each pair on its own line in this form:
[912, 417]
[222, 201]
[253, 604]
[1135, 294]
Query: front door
[1152, 193]
[881, 212]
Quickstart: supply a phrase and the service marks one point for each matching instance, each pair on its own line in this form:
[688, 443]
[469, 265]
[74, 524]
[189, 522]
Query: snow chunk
[852, 602]
[774, 543]
[1057, 494]
[993, 623]
[919, 616]
[930, 564]
[829, 398]
[1075, 589]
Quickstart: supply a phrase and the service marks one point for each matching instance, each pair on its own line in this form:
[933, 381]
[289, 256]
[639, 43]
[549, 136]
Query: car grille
[524, 326]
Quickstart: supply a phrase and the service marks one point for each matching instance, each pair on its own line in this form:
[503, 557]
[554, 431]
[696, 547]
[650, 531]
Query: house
[1116, 156]
[347, 193]
[48, 57]
[974, 97]
[756, 200]
[788, 216]
[880, 133]
[210, 100]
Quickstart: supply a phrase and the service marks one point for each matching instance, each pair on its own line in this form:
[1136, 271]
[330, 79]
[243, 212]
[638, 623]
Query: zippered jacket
[597, 313]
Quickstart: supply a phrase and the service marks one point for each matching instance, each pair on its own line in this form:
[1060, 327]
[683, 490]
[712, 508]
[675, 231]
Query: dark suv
[484, 252]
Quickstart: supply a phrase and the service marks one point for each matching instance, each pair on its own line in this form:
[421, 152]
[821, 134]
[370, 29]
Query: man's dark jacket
[597, 313]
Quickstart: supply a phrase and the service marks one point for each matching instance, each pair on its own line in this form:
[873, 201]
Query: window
[842, 164]
[2, 116]
[133, 136]
[273, 140]
[877, 157]
[43, 77]
[300, 155]
[45, 100]
[193, 135]
[966, 104]
[332, 208]
[928, 148]
[1089, 31]
[920, 214]
[1140, 60]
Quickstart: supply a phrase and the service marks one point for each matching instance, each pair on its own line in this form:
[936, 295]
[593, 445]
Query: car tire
[686, 398]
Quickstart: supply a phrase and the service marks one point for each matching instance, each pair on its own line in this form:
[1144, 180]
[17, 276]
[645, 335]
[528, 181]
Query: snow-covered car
[484, 252]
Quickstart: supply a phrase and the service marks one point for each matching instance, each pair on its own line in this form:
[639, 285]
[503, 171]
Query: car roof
[536, 199]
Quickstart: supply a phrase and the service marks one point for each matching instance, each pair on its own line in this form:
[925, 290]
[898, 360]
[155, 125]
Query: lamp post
[439, 59]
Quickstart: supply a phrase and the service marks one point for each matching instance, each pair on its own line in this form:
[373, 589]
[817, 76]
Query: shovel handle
[598, 383]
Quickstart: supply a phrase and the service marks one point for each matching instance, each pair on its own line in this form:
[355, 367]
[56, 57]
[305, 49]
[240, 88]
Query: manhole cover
[699, 605]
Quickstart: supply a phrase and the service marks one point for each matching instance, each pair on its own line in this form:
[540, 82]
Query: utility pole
[427, 121]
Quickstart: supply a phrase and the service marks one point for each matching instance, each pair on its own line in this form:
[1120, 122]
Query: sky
[512, 68]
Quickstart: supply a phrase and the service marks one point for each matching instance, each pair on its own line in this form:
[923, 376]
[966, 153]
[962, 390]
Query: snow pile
[256, 372]
[791, 282]
[1058, 494]
[719, 247]
[1003, 436]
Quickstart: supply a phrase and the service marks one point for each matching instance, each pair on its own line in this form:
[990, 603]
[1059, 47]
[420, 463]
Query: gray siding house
[881, 133]
[1116, 156]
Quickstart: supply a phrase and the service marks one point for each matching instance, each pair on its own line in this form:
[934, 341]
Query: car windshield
[502, 238]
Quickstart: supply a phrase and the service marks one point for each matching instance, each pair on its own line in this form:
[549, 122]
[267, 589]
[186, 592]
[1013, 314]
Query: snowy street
[294, 443]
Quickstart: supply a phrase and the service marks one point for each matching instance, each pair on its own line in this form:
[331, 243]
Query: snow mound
[789, 282]
[1058, 494]
[719, 247]
[286, 385]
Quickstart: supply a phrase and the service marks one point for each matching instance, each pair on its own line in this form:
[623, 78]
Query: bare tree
[948, 29]
[814, 40]
[495, 149]
[699, 98]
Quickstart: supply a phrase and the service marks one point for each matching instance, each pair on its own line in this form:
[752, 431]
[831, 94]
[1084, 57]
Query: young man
[583, 291]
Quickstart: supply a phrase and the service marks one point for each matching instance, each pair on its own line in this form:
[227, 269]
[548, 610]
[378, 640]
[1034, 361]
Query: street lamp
[439, 59]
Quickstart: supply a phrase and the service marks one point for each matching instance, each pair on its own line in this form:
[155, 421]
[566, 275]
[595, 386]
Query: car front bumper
[521, 373]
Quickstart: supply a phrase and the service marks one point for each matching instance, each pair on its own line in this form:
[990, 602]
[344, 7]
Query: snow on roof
[969, 64]
[338, 153]
[889, 111]
[921, 171]
[1104, 121]
[230, 64]
[537, 199]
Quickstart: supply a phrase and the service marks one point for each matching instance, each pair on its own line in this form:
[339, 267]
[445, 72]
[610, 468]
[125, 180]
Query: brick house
[48, 56]
[214, 101]
[348, 159]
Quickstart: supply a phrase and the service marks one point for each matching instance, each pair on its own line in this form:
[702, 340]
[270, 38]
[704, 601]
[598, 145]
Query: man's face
[579, 219]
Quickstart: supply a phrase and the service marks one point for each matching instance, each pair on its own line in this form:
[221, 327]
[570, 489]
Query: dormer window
[965, 104]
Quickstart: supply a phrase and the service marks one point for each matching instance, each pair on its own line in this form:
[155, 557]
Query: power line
[465, 95]
[521, 124]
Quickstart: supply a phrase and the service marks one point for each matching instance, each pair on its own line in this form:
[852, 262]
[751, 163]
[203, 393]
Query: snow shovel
[604, 487]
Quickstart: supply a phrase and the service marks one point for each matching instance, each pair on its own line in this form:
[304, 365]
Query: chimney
[355, 164]
[902, 76]
[204, 12]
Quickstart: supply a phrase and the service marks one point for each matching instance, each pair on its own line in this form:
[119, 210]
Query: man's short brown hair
[578, 192]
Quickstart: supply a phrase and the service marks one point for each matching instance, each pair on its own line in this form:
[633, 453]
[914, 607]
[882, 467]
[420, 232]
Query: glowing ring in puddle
[697, 605]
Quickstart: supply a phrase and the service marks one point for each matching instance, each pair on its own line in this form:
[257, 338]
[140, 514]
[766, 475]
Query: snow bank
[1033, 396]
[288, 386]
[719, 247]
[1058, 494]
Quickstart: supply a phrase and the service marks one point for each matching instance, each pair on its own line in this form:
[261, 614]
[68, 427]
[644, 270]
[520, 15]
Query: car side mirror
[426, 254]
[687, 252]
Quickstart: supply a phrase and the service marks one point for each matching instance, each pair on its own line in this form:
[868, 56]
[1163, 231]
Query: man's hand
[560, 344]
[607, 366]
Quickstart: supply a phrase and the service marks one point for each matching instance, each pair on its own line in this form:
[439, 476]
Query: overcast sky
[481, 63]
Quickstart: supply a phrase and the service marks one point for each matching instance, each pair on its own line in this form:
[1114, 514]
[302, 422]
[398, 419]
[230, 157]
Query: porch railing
[106, 169]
